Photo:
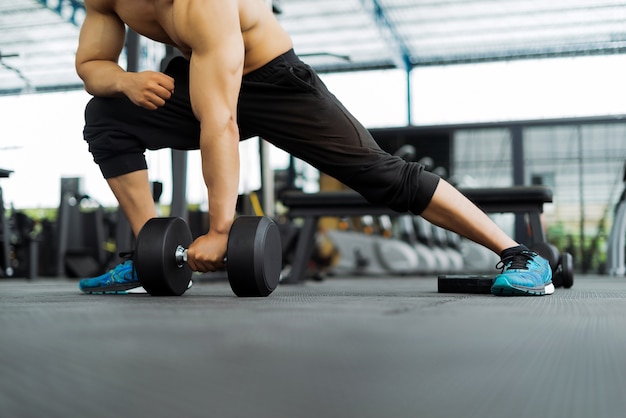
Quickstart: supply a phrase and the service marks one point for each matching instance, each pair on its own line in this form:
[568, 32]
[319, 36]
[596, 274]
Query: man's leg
[451, 210]
[134, 195]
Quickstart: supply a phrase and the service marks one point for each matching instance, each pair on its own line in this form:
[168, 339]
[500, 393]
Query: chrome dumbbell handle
[181, 256]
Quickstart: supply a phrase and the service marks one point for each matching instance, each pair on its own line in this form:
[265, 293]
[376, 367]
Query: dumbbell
[564, 274]
[562, 264]
[253, 256]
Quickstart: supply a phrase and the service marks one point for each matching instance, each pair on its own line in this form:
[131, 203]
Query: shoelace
[518, 261]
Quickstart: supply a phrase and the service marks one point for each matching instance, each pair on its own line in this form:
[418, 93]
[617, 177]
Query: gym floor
[344, 347]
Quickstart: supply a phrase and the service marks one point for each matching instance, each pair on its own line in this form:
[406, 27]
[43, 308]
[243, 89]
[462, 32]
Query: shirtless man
[240, 78]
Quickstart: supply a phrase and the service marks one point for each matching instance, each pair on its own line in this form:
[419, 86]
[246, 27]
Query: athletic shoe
[119, 279]
[523, 273]
[122, 279]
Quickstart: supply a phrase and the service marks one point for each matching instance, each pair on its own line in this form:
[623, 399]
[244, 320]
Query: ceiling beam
[401, 53]
[71, 10]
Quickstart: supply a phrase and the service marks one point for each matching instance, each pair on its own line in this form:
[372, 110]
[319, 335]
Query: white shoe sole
[140, 290]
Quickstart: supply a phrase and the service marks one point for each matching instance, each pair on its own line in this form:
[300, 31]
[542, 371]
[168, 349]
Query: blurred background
[496, 93]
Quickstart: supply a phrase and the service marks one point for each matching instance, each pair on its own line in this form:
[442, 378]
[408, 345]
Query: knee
[402, 186]
[99, 108]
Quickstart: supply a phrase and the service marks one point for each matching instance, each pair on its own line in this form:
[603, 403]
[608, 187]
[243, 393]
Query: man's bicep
[101, 37]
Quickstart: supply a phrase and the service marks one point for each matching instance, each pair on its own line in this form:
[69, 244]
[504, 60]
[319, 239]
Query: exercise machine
[5, 265]
[616, 253]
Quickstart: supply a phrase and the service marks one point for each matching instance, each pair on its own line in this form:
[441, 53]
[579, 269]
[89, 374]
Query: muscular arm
[100, 43]
[211, 28]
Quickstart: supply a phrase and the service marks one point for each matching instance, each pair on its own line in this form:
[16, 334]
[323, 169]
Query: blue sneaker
[524, 273]
[121, 279]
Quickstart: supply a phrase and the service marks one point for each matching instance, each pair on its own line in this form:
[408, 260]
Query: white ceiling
[38, 37]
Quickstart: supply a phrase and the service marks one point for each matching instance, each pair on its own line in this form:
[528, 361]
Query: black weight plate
[547, 251]
[155, 256]
[254, 256]
[457, 283]
[557, 276]
[567, 270]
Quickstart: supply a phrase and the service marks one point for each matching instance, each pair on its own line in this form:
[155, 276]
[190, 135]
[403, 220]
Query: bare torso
[264, 39]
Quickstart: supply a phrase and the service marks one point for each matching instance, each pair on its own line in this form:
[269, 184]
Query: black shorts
[284, 102]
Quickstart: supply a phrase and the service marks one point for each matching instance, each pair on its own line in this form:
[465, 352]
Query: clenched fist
[150, 89]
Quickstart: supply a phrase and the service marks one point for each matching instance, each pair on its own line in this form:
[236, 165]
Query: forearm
[148, 89]
[102, 78]
[220, 167]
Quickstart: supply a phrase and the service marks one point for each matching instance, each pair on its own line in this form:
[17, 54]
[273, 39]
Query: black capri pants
[285, 103]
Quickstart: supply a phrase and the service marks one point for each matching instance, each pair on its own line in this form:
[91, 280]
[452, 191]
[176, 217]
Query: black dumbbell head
[158, 269]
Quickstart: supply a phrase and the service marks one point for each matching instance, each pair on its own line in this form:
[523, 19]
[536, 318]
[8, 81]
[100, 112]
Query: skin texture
[223, 40]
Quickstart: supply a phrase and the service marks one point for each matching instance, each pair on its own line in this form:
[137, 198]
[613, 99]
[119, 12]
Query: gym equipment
[465, 284]
[372, 254]
[5, 265]
[356, 253]
[80, 233]
[564, 274]
[253, 256]
[24, 245]
[616, 252]
[396, 256]
[405, 229]
[425, 235]
[393, 253]
[455, 259]
[476, 258]
[367, 247]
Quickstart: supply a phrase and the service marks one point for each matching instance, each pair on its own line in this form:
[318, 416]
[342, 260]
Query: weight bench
[312, 206]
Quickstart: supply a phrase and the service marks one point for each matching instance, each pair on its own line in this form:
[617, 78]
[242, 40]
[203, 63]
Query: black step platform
[477, 284]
